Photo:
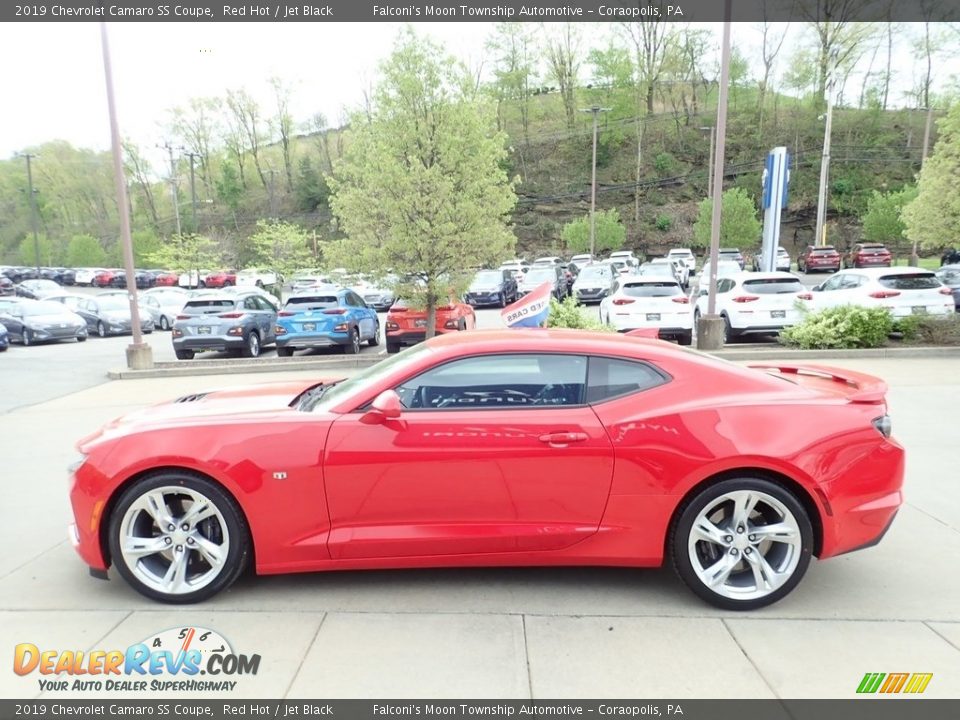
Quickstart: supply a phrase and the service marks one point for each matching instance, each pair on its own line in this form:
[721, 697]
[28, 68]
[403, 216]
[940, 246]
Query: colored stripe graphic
[870, 682]
[894, 682]
[918, 683]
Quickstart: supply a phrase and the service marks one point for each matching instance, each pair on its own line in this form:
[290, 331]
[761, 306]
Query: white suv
[757, 303]
[901, 290]
[684, 255]
[649, 302]
[259, 278]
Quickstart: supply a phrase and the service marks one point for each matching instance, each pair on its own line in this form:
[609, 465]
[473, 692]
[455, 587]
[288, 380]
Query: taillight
[392, 326]
[623, 301]
[398, 309]
[683, 300]
[183, 317]
[284, 313]
[280, 330]
[745, 298]
[451, 324]
[883, 294]
[335, 311]
[946, 291]
[230, 315]
[805, 296]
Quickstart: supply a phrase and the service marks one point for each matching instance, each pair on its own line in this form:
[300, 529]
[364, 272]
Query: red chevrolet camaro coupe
[488, 448]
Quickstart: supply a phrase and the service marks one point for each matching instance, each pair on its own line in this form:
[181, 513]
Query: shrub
[663, 223]
[568, 314]
[929, 330]
[664, 163]
[848, 326]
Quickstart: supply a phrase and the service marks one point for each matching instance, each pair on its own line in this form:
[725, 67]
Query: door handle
[563, 438]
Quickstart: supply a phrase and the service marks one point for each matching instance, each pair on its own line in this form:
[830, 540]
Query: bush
[929, 330]
[848, 326]
[663, 223]
[568, 314]
[664, 163]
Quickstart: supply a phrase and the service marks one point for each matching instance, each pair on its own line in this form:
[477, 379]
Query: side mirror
[386, 406]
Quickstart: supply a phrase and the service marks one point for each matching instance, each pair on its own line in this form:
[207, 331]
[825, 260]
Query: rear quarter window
[913, 281]
[609, 378]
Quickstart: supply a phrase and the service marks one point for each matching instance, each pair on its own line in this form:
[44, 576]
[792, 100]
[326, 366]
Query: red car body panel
[220, 279]
[103, 278]
[166, 279]
[461, 488]
[408, 326]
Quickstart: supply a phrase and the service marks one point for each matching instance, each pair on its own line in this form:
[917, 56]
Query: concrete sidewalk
[511, 633]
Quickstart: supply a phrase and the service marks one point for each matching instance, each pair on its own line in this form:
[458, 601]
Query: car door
[261, 311]
[12, 319]
[491, 454]
[365, 319]
[835, 291]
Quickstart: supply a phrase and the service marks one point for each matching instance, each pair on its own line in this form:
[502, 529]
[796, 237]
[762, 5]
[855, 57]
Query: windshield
[312, 302]
[114, 302]
[659, 269]
[540, 276]
[773, 286]
[594, 273]
[653, 289]
[488, 277]
[43, 308]
[367, 376]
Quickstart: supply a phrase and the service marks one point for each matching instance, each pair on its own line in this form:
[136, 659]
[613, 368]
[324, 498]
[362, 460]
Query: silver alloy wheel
[253, 344]
[164, 323]
[355, 341]
[745, 545]
[174, 540]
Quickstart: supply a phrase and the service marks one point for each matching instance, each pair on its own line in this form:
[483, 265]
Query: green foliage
[280, 246]
[663, 223]
[186, 252]
[568, 314]
[311, 188]
[229, 187]
[882, 221]
[664, 163]
[739, 226]
[933, 217]
[610, 232]
[929, 330]
[145, 244]
[420, 189]
[49, 255]
[85, 251]
[847, 326]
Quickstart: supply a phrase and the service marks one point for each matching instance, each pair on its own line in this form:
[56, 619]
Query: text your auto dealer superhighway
[118, 11]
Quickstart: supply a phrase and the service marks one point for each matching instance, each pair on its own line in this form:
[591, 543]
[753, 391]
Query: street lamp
[914, 258]
[713, 136]
[595, 110]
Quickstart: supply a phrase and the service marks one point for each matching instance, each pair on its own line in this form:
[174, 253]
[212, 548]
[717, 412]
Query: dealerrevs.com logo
[176, 660]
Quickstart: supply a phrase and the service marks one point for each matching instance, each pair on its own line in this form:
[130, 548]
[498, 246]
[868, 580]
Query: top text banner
[479, 11]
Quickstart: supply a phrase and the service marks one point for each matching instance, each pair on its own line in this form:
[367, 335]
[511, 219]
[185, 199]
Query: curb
[186, 368]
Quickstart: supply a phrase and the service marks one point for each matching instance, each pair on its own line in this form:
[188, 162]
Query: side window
[251, 303]
[610, 378]
[499, 382]
[851, 281]
[834, 283]
[724, 285]
[507, 276]
[356, 300]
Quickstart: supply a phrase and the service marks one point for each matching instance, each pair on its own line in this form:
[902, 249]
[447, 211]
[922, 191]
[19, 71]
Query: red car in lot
[222, 278]
[408, 326]
[823, 258]
[166, 279]
[499, 448]
[104, 278]
[864, 255]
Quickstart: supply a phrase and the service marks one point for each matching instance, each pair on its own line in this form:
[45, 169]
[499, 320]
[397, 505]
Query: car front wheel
[353, 347]
[375, 340]
[164, 323]
[742, 543]
[252, 347]
[178, 538]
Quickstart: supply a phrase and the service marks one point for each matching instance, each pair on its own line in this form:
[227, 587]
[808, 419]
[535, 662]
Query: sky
[53, 83]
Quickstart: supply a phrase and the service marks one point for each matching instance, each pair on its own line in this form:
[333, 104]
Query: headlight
[883, 425]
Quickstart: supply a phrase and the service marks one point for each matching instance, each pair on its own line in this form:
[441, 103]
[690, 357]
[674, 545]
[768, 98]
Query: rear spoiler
[863, 388]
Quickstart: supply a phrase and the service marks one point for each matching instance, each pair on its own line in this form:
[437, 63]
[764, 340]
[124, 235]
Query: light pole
[821, 238]
[713, 136]
[139, 353]
[710, 328]
[33, 210]
[595, 110]
[914, 258]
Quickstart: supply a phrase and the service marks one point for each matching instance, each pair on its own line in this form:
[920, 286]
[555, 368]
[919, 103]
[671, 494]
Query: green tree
[421, 188]
[739, 225]
[145, 243]
[281, 246]
[610, 232]
[230, 189]
[311, 188]
[49, 256]
[186, 252]
[933, 217]
[882, 222]
[85, 251]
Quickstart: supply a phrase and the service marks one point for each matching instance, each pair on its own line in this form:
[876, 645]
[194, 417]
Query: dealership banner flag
[531, 310]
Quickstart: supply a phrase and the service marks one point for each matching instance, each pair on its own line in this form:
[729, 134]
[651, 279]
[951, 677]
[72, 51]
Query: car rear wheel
[375, 340]
[27, 337]
[393, 347]
[185, 354]
[729, 334]
[81, 338]
[742, 543]
[353, 347]
[178, 538]
[284, 352]
[101, 329]
[252, 347]
[502, 300]
[164, 323]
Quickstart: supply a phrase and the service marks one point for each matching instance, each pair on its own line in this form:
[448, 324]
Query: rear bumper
[318, 340]
[667, 326]
[664, 332]
[407, 337]
[209, 342]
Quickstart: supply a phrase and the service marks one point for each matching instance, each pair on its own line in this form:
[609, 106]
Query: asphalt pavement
[500, 633]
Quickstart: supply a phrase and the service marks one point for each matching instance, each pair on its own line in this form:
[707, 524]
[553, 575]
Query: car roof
[685, 251]
[649, 280]
[322, 290]
[206, 297]
[774, 275]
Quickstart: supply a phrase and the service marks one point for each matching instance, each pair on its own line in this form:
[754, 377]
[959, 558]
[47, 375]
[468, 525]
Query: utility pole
[713, 136]
[821, 237]
[193, 187]
[914, 257]
[139, 353]
[33, 210]
[273, 212]
[173, 185]
[710, 329]
[595, 110]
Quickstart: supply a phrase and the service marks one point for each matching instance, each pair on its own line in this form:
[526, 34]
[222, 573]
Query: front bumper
[477, 299]
[45, 334]
[590, 294]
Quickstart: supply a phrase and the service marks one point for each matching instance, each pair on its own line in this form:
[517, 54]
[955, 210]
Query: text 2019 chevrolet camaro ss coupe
[491, 448]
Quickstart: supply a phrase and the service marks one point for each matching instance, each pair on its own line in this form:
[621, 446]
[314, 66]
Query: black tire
[101, 329]
[81, 338]
[164, 323]
[185, 354]
[502, 300]
[729, 334]
[683, 526]
[259, 283]
[251, 346]
[353, 347]
[393, 347]
[238, 550]
[284, 351]
[27, 337]
[685, 338]
[375, 340]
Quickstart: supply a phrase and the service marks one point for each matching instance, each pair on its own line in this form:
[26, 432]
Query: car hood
[210, 407]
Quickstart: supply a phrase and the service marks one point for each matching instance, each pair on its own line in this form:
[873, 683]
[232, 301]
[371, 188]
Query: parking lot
[578, 632]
